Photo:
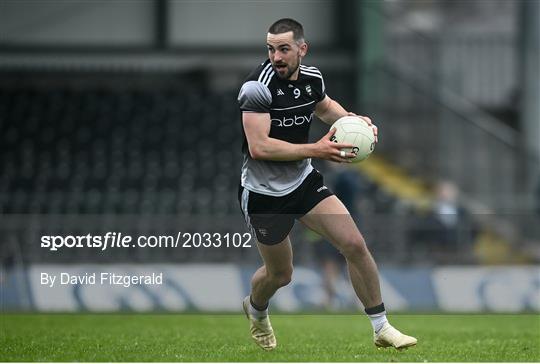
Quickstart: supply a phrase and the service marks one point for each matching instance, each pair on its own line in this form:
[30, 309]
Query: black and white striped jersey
[291, 105]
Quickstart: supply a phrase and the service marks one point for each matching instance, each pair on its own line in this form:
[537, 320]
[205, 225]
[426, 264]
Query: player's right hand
[329, 150]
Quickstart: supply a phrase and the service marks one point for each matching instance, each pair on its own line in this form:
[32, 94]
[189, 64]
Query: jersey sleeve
[322, 91]
[254, 97]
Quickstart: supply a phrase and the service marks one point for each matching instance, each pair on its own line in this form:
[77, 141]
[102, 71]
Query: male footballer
[279, 185]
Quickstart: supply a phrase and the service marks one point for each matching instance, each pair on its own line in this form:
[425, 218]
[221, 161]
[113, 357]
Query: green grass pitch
[301, 338]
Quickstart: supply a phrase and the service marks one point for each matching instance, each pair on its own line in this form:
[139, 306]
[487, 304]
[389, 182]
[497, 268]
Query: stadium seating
[118, 151]
[97, 150]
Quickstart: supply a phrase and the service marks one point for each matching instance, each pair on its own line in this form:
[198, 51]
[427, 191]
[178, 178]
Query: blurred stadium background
[122, 116]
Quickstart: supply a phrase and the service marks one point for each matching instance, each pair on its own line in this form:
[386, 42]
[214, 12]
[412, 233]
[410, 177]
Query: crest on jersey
[308, 90]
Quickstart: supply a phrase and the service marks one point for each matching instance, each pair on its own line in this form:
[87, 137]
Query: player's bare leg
[275, 273]
[331, 219]
[360, 284]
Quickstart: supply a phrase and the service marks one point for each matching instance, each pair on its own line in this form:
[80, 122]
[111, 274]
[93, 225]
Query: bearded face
[285, 54]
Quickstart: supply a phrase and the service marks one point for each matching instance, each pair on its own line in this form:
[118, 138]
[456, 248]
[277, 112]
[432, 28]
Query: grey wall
[531, 76]
[244, 22]
[76, 22]
[132, 22]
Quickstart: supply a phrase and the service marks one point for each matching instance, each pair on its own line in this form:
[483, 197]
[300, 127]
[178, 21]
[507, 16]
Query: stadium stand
[129, 151]
[74, 149]
[155, 151]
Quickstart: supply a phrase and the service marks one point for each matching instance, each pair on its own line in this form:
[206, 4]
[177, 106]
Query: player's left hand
[368, 120]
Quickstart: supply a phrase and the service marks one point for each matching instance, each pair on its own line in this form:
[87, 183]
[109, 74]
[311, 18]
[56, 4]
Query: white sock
[378, 320]
[256, 313]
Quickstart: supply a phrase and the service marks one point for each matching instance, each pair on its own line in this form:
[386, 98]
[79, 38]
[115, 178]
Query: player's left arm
[329, 110]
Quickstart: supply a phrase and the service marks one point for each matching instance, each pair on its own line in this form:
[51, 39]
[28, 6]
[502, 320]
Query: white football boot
[261, 329]
[389, 336]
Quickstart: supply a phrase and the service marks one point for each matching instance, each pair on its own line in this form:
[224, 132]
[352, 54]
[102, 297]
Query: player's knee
[282, 278]
[354, 246]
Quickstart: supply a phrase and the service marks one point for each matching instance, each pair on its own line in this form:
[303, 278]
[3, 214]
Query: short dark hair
[288, 25]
